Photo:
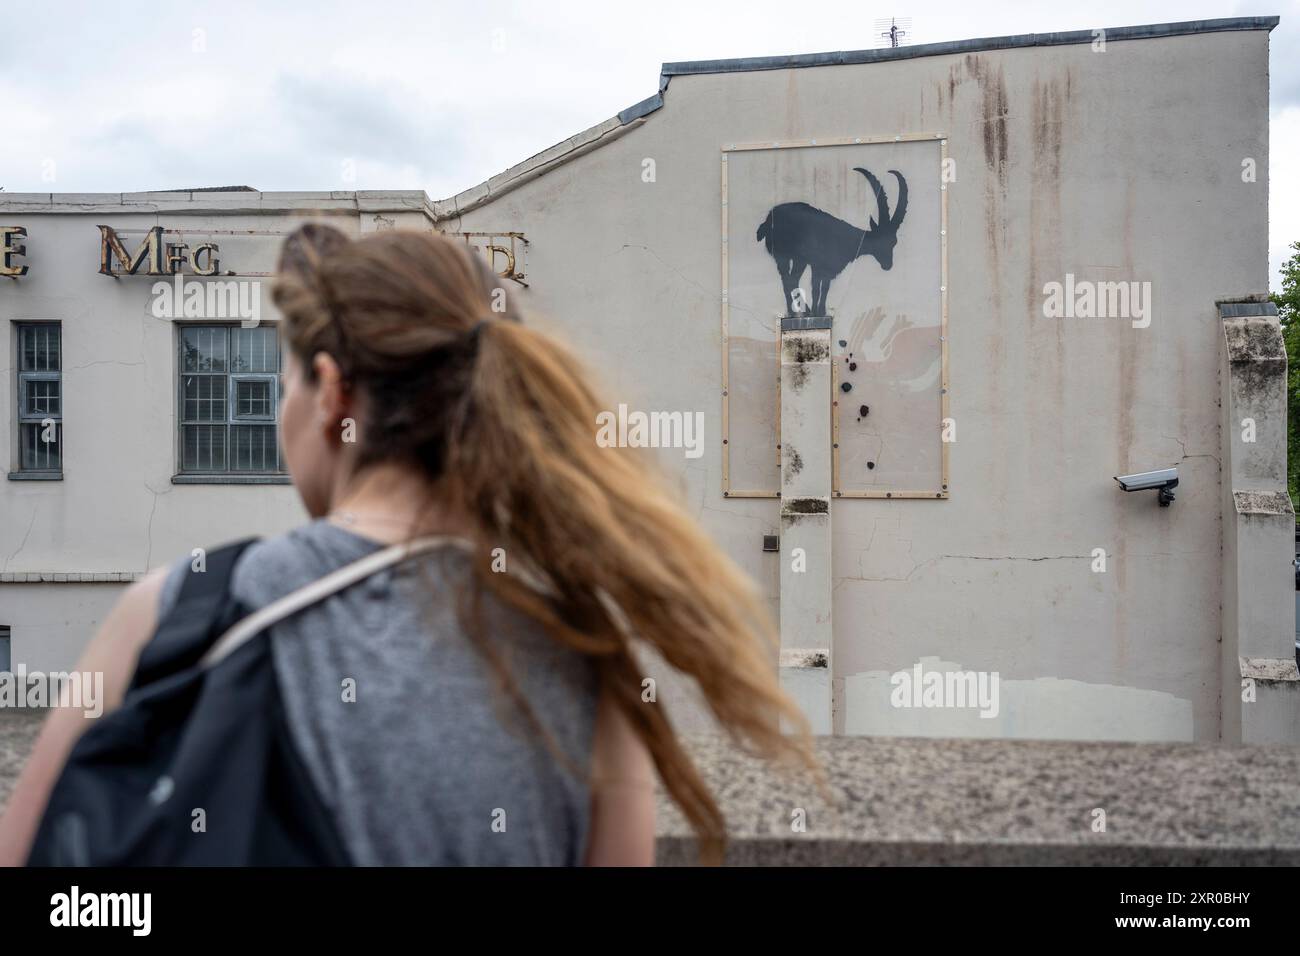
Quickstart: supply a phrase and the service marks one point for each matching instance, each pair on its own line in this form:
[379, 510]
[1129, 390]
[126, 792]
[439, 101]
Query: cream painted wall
[50, 623]
[1116, 165]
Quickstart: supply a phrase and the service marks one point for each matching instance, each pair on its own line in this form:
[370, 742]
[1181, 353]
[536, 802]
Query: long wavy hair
[502, 420]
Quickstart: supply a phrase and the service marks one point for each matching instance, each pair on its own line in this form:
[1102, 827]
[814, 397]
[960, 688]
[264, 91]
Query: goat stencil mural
[801, 237]
[853, 231]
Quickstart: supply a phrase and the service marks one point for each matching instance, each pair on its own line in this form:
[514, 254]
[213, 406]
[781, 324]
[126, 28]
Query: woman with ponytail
[497, 712]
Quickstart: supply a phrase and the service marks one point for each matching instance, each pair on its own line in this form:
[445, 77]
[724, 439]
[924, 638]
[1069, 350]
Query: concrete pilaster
[1260, 696]
[805, 519]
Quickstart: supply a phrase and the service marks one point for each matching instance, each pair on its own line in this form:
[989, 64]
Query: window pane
[203, 348]
[42, 447]
[52, 350]
[38, 348]
[254, 448]
[255, 350]
[203, 447]
[205, 398]
[253, 398]
[228, 378]
[41, 397]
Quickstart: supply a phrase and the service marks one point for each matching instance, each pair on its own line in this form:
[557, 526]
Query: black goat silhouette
[798, 235]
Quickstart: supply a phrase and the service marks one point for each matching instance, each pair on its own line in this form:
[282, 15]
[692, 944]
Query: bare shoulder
[114, 650]
[113, 653]
[622, 792]
[136, 612]
[619, 757]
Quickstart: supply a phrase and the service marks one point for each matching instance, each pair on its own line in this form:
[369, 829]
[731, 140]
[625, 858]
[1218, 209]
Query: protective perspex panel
[853, 231]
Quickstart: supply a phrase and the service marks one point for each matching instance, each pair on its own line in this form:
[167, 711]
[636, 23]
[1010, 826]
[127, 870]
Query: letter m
[666, 429]
[1115, 297]
[117, 908]
[151, 248]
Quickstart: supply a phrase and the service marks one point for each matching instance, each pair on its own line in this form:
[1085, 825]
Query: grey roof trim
[804, 323]
[1147, 31]
[1241, 310]
[637, 110]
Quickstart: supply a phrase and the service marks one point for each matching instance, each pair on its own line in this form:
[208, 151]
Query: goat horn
[901, 209]
[882, 201]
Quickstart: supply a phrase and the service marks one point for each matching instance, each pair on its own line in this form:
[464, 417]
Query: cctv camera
[1162, 481]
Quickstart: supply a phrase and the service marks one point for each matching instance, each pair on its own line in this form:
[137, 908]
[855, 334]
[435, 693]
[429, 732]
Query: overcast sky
[126, 96]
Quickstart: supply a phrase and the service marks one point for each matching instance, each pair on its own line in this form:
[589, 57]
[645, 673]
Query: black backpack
[197, 767]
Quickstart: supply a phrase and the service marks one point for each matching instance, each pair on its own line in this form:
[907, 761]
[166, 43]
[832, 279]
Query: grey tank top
[430, 763]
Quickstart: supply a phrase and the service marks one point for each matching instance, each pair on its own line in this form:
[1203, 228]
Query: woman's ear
[333, 397]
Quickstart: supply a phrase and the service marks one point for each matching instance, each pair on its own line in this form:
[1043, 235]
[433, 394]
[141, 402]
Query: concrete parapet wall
[909, 801]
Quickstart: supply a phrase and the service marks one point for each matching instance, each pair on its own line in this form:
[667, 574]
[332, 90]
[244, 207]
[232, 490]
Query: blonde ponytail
[503, 420]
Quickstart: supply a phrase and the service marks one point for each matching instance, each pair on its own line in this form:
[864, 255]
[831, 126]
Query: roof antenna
[894, 29]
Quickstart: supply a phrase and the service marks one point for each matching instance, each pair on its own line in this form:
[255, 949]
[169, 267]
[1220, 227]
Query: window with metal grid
[229, 400]
[40, 398]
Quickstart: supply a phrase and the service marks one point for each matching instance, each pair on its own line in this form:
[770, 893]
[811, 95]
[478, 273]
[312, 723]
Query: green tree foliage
[1288, 310]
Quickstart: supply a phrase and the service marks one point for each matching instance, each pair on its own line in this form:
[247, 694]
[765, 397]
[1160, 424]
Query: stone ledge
[1277, 503]
[70, 577]
[1254, 339]
[1269, 668]
[917, 801]
[802, 657]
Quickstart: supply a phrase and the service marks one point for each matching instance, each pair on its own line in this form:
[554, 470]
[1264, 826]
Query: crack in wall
[148, 532]
[104, 362]
[930, 562]
[1182, 445]
[23, 543]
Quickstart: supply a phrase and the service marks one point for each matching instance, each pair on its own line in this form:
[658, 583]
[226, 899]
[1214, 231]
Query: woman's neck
[391, 503]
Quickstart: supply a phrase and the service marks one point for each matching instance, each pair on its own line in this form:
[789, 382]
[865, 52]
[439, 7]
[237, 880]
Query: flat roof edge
[364, 200]
[848, 57]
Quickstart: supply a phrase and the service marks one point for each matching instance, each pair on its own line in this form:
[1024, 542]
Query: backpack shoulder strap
[200, 613]
[318, 590]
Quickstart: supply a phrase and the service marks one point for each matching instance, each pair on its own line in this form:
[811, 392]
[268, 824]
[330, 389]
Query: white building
[1056, 247]
[164, 425]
